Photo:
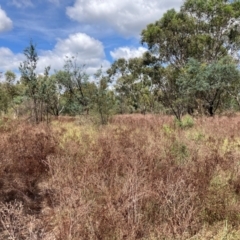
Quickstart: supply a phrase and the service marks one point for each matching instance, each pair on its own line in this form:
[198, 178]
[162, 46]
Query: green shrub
[186, 122]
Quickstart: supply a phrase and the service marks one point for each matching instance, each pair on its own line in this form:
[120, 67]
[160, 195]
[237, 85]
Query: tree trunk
[210, 110]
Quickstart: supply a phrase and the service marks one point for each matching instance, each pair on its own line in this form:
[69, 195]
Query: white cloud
[127, 52]
[126, 17]
[87, 50]
[82, 44]
[5, 21]
[21, 3]
[9, 60]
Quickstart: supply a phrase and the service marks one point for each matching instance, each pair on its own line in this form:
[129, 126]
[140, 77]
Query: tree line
[191, 66]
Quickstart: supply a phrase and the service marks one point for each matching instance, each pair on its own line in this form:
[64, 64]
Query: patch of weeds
[229, 145]
[5, 124]
[221, 230]
[199, 137]
[186, 122]
[220, 203]
[195, 135]
[226, 147]
[180, 152]
[167, 129]
[74, 133]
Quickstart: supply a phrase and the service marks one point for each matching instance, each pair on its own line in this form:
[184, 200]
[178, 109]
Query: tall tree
[53, 95]
[209, 82]
[74, 80]
[204, 30]
[10, 78]
[36, 85]
[104, 98]
[29, 76]
[133, 86]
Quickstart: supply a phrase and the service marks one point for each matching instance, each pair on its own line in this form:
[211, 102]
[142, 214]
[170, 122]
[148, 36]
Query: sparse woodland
[148, 150]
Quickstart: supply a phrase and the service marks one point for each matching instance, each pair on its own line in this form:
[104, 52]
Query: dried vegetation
[140, 177]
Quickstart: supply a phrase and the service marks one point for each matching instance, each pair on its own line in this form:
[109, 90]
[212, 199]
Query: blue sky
[96, 31]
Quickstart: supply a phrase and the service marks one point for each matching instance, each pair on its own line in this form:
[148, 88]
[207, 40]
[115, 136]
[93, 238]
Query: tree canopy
[202, 33]
[191, 66]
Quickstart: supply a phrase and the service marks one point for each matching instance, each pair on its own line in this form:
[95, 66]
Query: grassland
[139, 177]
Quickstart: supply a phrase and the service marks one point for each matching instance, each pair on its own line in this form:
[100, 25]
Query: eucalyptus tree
[210, 82]
[118, 70]
[11, 90]
[132, 85]
[217, 28]
[104, 97]
[9, 85]
[47, 95]
[53, 96]
[29, 77]
[39, 88]
[74, 81]
[204, 30]
[4, 99]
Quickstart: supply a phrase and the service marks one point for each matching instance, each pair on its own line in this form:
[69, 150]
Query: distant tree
[4, 99]
[36, 85]
[74, 80]
[10, 87]
[10, 77]
[132, 85]
[53, 96]
[29, 76]
[104, 98]
[8, 91]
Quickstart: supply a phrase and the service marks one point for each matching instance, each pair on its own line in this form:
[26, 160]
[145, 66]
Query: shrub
[135, 178]
[23, 152]
[186, 122]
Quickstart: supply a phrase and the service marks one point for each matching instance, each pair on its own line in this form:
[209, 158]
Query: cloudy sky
[96, 31]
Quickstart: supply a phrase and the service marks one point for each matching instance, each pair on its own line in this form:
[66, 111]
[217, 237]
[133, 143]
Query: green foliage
[170, 38]
[104, 98]
[167, 129]
[9, 92]
[207, 31]
[43, 90]
[209, 82]
[74, 79]
[10, 77]
[190, 67]
[134, 87]
[185, 123]
[180, 152]
[29, 77]
[28, 69]
[4, 100]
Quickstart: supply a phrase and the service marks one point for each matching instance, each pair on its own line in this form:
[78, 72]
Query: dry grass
[140, 177]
